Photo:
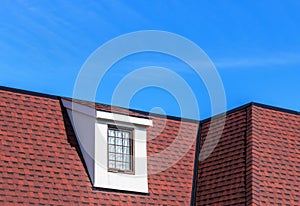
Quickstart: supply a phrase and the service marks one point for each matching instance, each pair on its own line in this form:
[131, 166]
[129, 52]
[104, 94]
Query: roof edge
[275, 108]
[141, 112]
[51, 96]
[227, 112]
[250, 104]
[22, 91]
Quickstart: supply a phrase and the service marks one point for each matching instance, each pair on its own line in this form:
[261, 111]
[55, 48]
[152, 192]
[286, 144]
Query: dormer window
[120, 149]
[113, 146]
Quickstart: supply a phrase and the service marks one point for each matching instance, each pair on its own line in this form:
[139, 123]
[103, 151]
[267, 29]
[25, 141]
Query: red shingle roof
[275, 157]
[256, 162]
[221, 177]
[41, 162]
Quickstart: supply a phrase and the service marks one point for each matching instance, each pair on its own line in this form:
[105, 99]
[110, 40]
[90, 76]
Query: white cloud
[268, 60]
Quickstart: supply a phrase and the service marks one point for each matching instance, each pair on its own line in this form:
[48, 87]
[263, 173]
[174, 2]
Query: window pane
[112, 148]
[118, 165]
[127, 166]
[118, 141]
[126, 158]
[123, 166]
[119, 133]
[126, 142]
[126, 150]
[119, 149]
[111, 140]
[112, 156]
[119, 157]
[111, 133]
[126, 135]
[112, 164]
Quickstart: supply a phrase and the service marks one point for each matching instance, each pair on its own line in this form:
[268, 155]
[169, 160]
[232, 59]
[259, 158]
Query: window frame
[131, 148]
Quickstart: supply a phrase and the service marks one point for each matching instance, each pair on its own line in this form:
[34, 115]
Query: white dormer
[114, 147]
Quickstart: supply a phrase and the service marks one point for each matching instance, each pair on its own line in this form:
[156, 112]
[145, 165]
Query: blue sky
[254, 45]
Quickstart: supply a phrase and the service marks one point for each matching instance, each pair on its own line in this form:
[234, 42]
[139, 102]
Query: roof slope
[42, 165]
[275, 157]
[221, 177]
[257, 160]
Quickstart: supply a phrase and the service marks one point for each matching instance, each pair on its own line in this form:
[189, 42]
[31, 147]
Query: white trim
[90, 128]
[137, 182]
[123, 118]
[106, 115]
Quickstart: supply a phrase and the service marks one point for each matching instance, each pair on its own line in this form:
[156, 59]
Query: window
[120, 149]
[126, 143]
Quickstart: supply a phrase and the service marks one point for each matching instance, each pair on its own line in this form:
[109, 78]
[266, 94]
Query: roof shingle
[42, 164]
[256, 162]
